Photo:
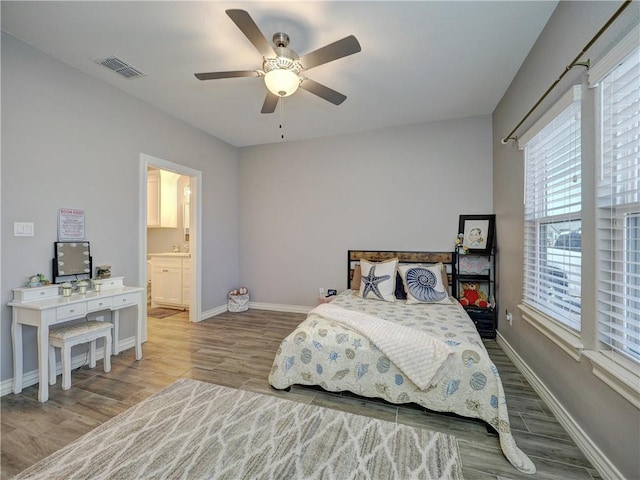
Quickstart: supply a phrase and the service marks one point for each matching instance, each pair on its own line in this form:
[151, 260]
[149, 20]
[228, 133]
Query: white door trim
[195, 230]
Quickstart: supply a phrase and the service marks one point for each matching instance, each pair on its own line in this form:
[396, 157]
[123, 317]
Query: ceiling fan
[282, 67]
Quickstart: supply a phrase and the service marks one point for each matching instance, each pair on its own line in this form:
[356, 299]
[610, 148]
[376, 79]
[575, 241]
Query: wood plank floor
[237, 350]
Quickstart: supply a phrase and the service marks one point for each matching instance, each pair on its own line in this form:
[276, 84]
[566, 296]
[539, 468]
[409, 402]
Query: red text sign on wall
[70, 224]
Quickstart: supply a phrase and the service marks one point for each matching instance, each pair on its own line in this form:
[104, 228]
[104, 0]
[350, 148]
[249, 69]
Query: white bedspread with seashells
[325, 353]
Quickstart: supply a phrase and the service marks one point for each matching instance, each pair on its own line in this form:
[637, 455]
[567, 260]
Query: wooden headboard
[448, 259]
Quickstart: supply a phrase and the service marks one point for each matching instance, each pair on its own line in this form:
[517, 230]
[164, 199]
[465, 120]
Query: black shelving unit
[484, 318]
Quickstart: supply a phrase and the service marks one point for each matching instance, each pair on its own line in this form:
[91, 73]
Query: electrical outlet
[509, 318]
[321, 291]
[100, 318]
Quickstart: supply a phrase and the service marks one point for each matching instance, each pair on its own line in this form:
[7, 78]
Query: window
[608, 335]
[553, 207]
[618, 212]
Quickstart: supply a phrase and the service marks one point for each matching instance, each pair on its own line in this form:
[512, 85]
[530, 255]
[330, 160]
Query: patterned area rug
[160, 312]
[197, 430]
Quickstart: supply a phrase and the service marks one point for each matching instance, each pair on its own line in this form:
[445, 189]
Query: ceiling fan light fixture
[282, 67]
[282, 82]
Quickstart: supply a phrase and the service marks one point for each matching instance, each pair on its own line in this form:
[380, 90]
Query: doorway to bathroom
[169, 233]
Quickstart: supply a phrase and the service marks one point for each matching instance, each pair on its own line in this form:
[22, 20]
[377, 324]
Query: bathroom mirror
[72, 261]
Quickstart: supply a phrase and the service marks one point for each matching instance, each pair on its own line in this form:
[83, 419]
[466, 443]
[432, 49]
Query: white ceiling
[420, 61]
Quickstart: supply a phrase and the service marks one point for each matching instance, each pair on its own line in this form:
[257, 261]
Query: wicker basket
[238, 303]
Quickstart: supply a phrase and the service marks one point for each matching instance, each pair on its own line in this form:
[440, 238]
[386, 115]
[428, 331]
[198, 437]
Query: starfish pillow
[378, 280]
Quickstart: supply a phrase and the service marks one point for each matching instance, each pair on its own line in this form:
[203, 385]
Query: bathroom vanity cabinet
[170, 279]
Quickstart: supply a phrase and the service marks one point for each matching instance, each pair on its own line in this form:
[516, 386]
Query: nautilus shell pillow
[424, 283]
[378, 280]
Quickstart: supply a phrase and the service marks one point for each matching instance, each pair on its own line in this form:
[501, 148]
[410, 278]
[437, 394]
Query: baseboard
[31, 378]
[274, 307]
[213, 312]
[280, 308]
[598, 459]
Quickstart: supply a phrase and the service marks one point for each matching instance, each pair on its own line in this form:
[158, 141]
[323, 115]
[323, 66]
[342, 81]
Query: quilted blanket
[324, 352]
[421, 357]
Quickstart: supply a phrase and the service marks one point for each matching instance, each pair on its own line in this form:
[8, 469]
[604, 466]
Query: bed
[437, 361]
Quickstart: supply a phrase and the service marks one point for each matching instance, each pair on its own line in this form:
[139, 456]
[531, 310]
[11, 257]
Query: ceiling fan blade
[342, 48]
[218, 75]
[246, 24]
[270, 103]
[323, 92]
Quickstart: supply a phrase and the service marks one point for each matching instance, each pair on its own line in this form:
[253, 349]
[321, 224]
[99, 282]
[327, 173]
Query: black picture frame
[477, 232]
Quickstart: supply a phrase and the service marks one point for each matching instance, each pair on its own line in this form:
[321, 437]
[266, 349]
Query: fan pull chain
[281, 118]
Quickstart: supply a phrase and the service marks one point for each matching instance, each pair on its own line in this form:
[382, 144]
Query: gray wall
[304, 204]
[610, 421]
[71, 141]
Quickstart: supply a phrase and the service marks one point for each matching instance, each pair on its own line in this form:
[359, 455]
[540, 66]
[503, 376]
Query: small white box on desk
[27, 294]
[108, 283]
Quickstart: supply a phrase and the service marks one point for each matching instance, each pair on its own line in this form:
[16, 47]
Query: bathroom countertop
[170, 254]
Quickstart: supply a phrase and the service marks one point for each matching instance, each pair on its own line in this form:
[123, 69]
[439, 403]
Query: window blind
[553, 206]
[618, 212]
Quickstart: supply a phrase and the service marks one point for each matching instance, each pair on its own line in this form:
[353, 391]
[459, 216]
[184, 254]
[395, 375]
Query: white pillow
[378, 280]
[423, 283]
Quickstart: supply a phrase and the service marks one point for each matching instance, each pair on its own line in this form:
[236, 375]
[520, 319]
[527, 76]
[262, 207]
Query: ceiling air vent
[121, 67]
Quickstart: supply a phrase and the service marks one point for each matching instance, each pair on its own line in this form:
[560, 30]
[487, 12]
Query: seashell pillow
[378, 280]
[424, 283]
[357, 278]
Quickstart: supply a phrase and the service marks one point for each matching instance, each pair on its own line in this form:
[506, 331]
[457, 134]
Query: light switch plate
[23, 229]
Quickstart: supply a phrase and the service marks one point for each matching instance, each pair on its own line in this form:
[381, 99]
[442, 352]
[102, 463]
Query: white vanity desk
[42, 307]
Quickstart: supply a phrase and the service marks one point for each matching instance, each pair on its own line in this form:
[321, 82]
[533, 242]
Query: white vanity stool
[66, 337]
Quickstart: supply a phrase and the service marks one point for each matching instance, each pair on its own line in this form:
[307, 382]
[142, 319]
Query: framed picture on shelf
[477, 231]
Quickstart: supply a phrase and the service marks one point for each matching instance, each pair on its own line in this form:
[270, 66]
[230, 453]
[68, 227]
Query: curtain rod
[575, 63]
